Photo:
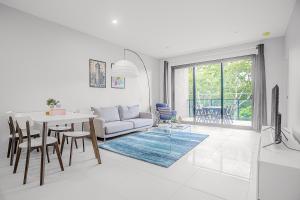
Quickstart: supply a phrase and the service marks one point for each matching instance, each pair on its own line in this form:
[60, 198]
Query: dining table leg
[94, 140]
[44, 138]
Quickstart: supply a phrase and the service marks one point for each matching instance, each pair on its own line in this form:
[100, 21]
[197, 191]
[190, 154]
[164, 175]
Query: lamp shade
[124, 68]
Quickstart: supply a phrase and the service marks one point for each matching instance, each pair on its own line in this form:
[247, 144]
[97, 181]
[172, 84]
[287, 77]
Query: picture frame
[97, 73]
[117, 82]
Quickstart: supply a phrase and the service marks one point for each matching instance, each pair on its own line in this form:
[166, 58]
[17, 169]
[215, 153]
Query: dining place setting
[44, 132]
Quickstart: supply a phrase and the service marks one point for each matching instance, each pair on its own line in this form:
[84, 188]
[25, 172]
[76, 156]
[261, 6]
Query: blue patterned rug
[155, 146]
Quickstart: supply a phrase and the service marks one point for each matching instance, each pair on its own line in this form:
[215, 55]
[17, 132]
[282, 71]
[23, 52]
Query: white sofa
[119, 120]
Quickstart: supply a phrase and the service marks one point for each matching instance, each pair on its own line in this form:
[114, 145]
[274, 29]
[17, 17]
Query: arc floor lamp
[127, 68]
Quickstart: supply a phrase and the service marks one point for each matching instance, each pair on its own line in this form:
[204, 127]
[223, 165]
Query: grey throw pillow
[109, 114]
[129, 112]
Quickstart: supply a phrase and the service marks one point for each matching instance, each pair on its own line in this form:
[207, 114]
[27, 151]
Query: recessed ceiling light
[114, 21]
[266, 34]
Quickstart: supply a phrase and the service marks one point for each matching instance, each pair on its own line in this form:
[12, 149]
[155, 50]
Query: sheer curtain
[259, 90]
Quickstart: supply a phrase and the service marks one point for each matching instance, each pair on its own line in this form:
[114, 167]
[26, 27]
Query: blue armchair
[164, 112]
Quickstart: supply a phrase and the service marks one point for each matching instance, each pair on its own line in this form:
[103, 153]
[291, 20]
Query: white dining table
[43, 120]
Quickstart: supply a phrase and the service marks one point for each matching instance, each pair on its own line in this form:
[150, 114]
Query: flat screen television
[275, 115]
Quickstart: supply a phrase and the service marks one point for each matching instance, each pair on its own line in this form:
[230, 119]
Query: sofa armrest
[99, 125]
[146, 115]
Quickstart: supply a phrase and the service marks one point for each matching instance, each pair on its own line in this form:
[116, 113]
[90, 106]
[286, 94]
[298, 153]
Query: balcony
[235, 111]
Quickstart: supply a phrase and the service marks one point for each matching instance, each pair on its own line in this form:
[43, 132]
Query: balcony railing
[242, 107]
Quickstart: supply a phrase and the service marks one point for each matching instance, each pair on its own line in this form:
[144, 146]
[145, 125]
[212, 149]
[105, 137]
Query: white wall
[293, 54]
[276, 65]
[40, 59]
[277, 73]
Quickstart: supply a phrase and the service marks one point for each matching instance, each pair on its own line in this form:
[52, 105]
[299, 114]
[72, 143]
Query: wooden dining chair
[74, 135]
[58, 129]
[31, 144]
[13, 141]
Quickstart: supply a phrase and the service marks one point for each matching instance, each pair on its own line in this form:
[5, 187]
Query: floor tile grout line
[228, 174]
[185, 185]
[197, 166]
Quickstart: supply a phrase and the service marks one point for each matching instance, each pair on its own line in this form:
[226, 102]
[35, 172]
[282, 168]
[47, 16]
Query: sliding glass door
[183, 97]
[237, 86]
[218, 92]
[208, 93]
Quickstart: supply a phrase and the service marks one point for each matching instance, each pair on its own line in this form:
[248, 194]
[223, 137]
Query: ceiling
[166, 28]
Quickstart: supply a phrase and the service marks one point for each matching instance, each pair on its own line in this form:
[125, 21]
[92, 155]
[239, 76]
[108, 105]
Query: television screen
[275, 116]
[275, 104]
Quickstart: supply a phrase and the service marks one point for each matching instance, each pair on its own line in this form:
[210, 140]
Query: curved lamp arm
[148, 81]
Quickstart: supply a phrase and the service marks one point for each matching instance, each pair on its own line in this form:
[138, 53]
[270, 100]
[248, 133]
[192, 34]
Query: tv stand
[271, 127]
[278, 168]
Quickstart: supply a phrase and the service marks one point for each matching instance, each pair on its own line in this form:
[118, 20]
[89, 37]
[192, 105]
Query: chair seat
[33, 132]
[38, 142]
[60, 128]
[76, 134]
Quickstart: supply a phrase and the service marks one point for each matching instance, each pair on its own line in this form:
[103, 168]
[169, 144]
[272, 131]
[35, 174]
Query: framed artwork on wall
[97, 73]
[118, 82]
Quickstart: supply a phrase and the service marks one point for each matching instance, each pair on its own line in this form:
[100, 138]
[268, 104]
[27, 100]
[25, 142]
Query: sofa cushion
[140, 122]
[129, 112]
[117, 126]
[109, 114]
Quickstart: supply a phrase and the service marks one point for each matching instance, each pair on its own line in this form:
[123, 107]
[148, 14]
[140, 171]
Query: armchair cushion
[129, 112]
[109, 114]
[165, 112]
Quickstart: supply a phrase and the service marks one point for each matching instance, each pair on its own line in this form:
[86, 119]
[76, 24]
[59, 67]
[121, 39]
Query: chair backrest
[18, 130]
[23, 125]
[11, 123]
[232, 109]
[161, 105]
[227, 109]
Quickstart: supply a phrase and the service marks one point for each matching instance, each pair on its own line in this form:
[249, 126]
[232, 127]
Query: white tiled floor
[218, 168]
